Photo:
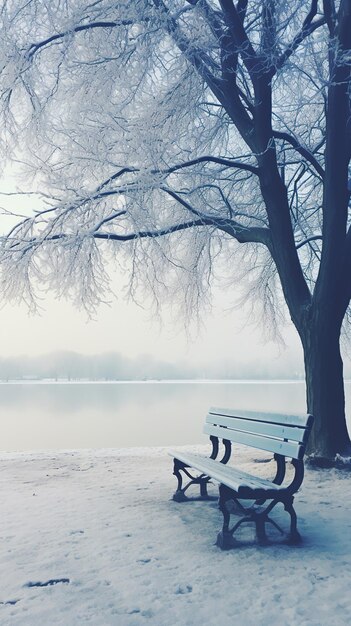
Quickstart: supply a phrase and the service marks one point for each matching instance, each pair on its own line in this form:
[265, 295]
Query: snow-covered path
[103, 525]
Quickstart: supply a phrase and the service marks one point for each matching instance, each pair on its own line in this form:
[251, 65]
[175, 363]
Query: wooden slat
[300, 420]
[262, 428]
[286, 448]
[225, 474]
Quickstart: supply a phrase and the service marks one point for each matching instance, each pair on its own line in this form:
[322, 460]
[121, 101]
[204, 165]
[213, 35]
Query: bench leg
[179, 495]
[225, 539]
[202, 480]
[260, 521]
[203, 488]
[294, 535]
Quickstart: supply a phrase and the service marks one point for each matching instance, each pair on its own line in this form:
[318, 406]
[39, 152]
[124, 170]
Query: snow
[93, 537]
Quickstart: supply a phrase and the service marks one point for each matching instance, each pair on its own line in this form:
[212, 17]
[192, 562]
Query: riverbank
[92, 537]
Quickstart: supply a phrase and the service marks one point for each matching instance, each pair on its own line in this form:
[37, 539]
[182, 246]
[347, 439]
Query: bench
[283, 435]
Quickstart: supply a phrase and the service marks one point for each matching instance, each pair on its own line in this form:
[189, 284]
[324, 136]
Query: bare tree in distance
[179, 135]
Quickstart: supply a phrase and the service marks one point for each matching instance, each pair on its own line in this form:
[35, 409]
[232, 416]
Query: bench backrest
[275, 432]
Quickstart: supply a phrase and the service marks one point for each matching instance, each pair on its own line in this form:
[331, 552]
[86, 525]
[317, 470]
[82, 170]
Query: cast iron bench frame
[284, 435]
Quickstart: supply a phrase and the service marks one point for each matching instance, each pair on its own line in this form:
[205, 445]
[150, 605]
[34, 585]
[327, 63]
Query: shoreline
[215, 381]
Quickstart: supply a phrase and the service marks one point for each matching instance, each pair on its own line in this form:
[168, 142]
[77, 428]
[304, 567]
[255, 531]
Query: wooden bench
[283, 435]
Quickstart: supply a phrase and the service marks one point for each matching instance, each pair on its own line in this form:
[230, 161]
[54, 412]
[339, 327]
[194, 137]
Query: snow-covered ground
[102, 524]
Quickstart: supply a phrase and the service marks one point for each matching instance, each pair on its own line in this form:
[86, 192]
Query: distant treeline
[115, 366]
[75, 366]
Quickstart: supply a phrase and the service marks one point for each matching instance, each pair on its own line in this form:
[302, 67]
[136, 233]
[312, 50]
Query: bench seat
[245, 485]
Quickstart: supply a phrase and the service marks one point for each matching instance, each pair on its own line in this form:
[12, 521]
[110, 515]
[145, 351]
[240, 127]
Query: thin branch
[99, 192]
[230, 99]
[243, 234]
[308, 27]
[35, 47]
[312, 238]
[152, 234]
[199, 59]
[210, 159]
[301, 149]
[110, 218]
[212, 17]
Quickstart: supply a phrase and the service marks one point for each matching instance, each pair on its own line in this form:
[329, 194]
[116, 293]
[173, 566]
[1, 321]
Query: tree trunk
[325, 390]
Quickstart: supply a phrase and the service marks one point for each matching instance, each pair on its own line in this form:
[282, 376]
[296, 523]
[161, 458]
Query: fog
[115, 366]
[126, 340]
[123, 342]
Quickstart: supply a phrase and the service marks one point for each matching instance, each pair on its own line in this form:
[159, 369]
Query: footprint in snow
[182, 589]
[145, 613]
[12, 602]
[47, 583]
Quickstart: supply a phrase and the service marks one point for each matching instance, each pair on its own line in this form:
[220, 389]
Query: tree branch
[242, 234]
[200, 60]
[209, 159]
[308, 27]
[300, 149]
[235, 25]
[313, 238]
[229, 98]
[110, 218]
[330, 15]
[212, 17]
[101, 191]
[153, 234]
[35, 47]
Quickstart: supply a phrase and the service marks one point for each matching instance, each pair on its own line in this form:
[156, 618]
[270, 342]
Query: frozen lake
[35, 416]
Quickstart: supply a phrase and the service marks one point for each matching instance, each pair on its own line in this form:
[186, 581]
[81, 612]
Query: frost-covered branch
[241, 165]
[308, 27]
[141, 123]
[306, 241]
[305, 153]
[37, 47]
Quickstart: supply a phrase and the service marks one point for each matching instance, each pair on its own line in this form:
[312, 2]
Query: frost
[343, 461]
[122, 117]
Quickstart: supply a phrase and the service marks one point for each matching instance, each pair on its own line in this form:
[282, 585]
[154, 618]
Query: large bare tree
[181, 134]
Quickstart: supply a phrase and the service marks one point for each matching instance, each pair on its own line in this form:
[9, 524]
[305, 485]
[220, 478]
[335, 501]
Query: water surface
[36, 416]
